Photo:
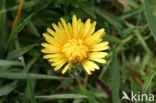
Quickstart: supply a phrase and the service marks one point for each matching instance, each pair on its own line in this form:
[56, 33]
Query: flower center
[75, 50]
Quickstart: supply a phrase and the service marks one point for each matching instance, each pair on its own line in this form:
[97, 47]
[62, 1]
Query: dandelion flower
[69, 44]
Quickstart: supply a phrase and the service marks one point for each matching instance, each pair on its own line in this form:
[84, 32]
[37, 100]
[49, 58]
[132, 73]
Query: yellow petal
[86, 66]
[64, 23]
[94, 65]
[55, 27]
[46, 44]
[87, 26]
[100, 48]
[53, 56]
[99, 33]
[60, 25]
[51, 32]
[50, 47]
[81, 29]
[91, 30]
[50, 39]
[62, 61]
[58, 66]
[78, 25]
[89, 66]
[100, 60]
[63, 32]
[97, 55]
[65, 28]
[60, 31]
[50, 51]
[55, 59]
[102, 44]
[66, 68]
[70, 29]
[74, 24]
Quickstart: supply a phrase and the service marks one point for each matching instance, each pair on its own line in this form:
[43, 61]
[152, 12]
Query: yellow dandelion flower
[68, 44]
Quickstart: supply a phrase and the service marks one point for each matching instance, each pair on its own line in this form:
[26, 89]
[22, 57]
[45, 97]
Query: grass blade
[116, 78]
[90, 98]
[150, 76]
[19, 52]
[114, 21]
[85, 8]
[3, 28]
[8, 75]
[5, 90]
[26, 5]
[19, 28]
[30, 89]
[77, 100]
[140, 38]
[112, 39]
[62, 96]
[15, 23]
[33, 29]
[133, 3]
[9, 63]
[151, 21]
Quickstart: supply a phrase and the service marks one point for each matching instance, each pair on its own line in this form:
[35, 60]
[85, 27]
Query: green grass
[25, 77]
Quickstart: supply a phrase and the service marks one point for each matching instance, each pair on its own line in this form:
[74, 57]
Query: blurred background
[25, 77]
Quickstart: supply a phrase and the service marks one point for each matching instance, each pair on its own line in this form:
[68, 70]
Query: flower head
[68, 44]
